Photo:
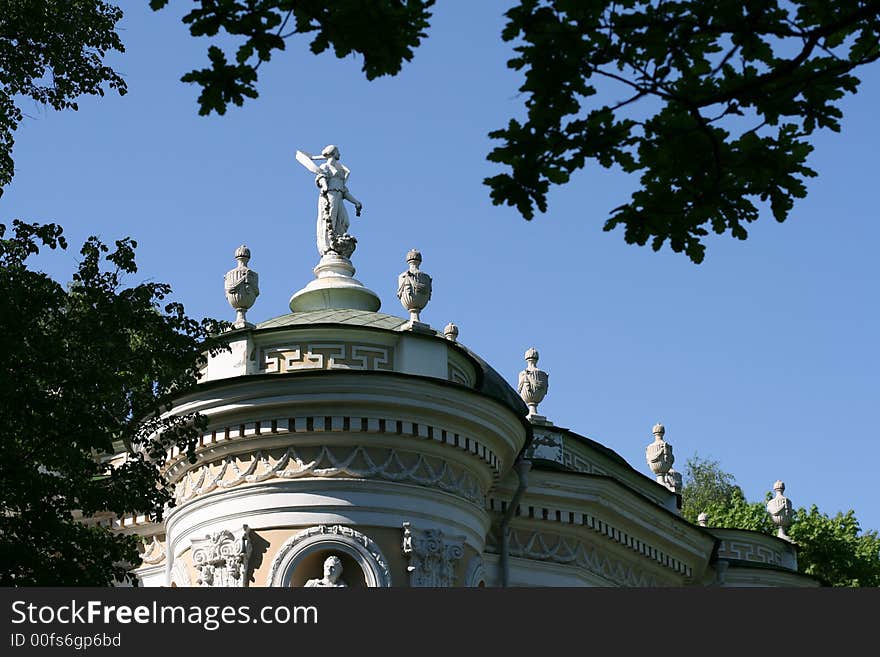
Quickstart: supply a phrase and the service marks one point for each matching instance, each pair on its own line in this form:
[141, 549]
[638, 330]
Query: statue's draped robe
[332, 215]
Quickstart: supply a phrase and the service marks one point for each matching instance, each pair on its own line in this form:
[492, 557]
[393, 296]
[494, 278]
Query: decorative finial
[414, 290]
[674, 481]
[451, 332]
[660, 459]
[781, 511]
[242, 287]
[703, 519]
[533, 385]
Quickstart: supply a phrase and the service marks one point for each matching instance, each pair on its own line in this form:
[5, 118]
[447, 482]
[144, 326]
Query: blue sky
[765, 357]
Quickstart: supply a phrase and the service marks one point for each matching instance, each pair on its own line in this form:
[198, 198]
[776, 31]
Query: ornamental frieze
[321, 461]
[540, 546]
[292, 357]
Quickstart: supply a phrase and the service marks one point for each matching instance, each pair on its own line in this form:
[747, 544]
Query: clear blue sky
[764, 357]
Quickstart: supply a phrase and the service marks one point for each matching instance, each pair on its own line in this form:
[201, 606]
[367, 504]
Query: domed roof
[489, 382]
[344, 316]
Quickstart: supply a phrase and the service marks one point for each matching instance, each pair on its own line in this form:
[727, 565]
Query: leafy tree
[86, 372]
[708, 485]
[51, 52]
[832, 549]
[719, 96]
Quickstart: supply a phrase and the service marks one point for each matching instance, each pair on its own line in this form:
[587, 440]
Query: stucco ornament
[433, 556]
[338, 539]
[332, 574]
[660, 458]
[533, 383]
[331, 178]
[414, 287]
[450, 331]
[703, 519]
[781, 511]
[242, 287]
[222, 558]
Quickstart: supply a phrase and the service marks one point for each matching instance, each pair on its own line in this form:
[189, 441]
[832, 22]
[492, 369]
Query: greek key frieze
[749, 552]
[278, 359]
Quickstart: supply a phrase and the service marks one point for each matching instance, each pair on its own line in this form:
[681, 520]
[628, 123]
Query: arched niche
[301, 558]
[475, 575]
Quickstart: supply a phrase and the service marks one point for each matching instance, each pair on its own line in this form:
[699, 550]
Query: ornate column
[432, 556]
[222, 558]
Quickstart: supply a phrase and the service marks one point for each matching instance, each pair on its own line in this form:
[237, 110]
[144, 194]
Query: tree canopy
[834, 549]
[87, 372]
[52, 52]
[709, 102]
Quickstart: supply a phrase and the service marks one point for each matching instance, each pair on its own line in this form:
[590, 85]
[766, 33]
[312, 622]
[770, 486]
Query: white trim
[338, 501]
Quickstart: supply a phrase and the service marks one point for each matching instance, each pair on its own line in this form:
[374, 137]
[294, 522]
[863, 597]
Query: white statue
[331, 178]
[332, 573]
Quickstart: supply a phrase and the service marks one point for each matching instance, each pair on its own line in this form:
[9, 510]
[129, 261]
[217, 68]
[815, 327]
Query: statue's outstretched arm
[306, 160]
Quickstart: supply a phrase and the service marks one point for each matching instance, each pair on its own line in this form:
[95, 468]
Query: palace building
[350, 447]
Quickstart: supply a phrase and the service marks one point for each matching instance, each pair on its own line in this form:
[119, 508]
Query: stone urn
[659, 454]
[414, 287]
[781, 511]
[533, 383]
[242, 287]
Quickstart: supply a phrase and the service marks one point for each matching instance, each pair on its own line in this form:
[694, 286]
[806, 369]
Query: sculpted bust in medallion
[332, 574]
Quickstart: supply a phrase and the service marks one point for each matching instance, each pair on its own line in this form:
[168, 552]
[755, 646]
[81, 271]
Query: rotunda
[352, 448]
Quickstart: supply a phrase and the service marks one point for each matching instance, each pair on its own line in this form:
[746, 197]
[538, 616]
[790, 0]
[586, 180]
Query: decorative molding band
[746, 551]
[358, 462]
[154, 552]
[432, 556]
[559, 549]
[278, 359]
[338, 424]
[599, 526]
[330, 537]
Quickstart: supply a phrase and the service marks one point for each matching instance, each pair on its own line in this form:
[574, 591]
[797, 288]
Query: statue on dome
[331, 178]
[332, 574]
